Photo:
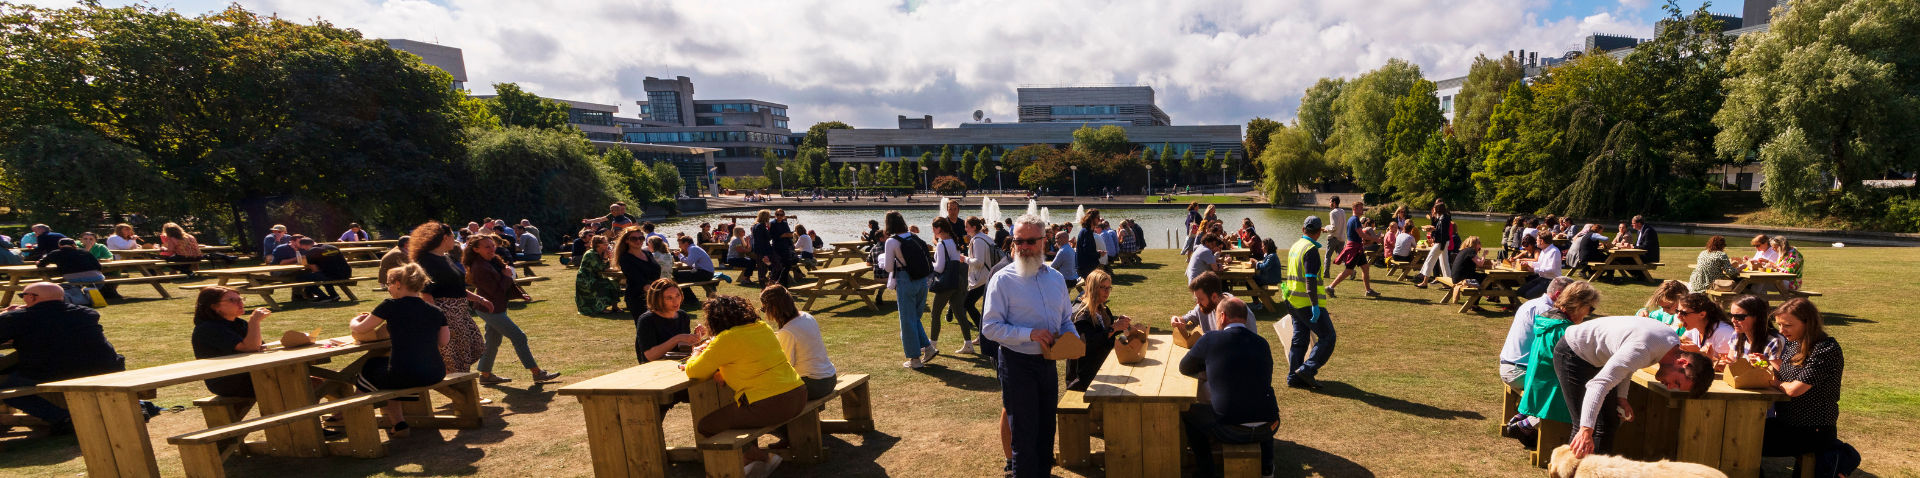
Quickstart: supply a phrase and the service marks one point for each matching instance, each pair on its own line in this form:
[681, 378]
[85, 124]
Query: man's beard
[1027, 263]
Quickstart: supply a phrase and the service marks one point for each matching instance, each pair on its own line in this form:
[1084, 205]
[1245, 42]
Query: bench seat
[722, 452]
[1075, 427]
[203, 456]
[1241, 460]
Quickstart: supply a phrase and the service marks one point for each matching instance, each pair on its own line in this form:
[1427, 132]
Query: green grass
[1411, 390]
[1208, 199]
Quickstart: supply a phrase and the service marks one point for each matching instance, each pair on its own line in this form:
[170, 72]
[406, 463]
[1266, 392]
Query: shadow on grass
[1293, 459]
[1383, 402]
[1835, 319]
[22, 450]
[969, 375]
[533, 399]
[434, 453]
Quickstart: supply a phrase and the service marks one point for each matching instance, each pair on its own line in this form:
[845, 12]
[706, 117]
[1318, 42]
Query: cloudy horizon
[865, 62]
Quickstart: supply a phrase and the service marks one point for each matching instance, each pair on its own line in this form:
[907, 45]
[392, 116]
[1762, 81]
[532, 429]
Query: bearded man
[1027, 307]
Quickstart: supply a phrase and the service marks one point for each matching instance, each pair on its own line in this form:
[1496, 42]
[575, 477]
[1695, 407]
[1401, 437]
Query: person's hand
[1686, 345]
[260, 314]
[687, 339]
[1582, 443]
[1123, 324]
[700, 330]
[1042, 336]
[1626, 409]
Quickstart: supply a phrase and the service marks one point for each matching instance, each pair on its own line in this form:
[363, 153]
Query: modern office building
[742, 130]
[447, 58]
[595, 119]
[1047, 116]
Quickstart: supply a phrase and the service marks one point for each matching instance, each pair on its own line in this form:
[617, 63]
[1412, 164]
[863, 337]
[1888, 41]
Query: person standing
[636, 266]
[950, 265]
[486, 272]
[772, 266]
[1063, 259]
[1302, 291]
[1354, 253]
[616, 218]
[54, 341]
[1087, 246]
[1027, 308]
[1595, 359]
[1338, 219]
[905, 260]
[1236, 365]
[982, 262]
[447, 289]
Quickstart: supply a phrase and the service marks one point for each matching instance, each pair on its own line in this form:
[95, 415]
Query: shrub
[948, 185]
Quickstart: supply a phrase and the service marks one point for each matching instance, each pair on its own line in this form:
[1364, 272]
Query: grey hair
[1558, 284]
[1031, 220]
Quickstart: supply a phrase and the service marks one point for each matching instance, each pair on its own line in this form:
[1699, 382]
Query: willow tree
[1620, 179]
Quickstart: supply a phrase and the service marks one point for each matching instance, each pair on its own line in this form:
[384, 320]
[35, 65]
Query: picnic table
[1500, 283]
[860, 246]
[380, 243]
[261, 281]
[1241, 275]
[1625, 261]
[1142, 405]
[113, 434]
[155, 252]
[842, 281]
[624, 432]
[1722, 429]
[1768, 286]
[1238, 254]
[18, 277]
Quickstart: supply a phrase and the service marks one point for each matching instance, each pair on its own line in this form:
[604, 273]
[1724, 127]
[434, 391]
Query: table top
[370, 242]
[656, 377]
[196, 370]
[1155, 378]
[363, 249]
[1720, 390]
[104, 265]
[242, 271]
[853, 269]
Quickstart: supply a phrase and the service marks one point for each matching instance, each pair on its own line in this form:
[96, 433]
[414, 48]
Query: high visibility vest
[1295, 288]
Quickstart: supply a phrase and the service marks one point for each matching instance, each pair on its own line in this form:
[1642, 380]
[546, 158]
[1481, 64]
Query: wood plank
[641, 434]
[604, 437]
[1702, 423]
[803, 432]
[1746, 423]
[90, 427]
[198, 370]
[363, 433]
[203, 461]
[1125, 441]
[127, 428]
[1160, 456]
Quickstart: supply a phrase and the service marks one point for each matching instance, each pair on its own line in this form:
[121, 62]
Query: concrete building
[447, 58]
[742, 130]
[1132, 104]
[695, 164]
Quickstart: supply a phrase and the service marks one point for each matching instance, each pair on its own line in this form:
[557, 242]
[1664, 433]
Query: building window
[646, 109]
[709, 121]
[1086, 110]
[780, 124]
[596, 118]
[666, 105]
[603, 136]
[1446, 104]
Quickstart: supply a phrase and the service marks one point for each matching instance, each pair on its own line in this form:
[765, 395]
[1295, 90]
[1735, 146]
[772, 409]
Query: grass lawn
[1411, 391]
[1206, 199]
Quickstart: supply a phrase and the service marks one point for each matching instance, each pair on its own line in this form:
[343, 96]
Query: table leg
[624, 436]
[13, 284]
[266, 295]
[1741, 440]
[1124, 441]
[147, 271]
[284, 388]
[112, 434]
[1702, 425]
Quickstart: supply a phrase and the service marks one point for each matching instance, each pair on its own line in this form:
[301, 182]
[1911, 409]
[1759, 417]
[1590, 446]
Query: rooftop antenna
[977, 114]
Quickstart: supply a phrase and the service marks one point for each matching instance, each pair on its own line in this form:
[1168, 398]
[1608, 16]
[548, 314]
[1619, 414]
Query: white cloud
[865, 61]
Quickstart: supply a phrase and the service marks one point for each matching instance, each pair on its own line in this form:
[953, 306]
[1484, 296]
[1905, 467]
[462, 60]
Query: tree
[1416, 118]
[1169, 163]
[1293, 162]
[1618, 181]
[1259, 132]
[816, 137]
[1487, 82]
[982, 170]
[965, 170]
[1194, 169]
[515, 107]
[925, 168]
[1320, 108]
[946, 160]
[1831, 94]
[633, 177]
[56, 170]
[1365, 106]
[1106, 140]
[547, 175]
[1542, 134]
[867, 177]
[1209, 164]
[948, 185]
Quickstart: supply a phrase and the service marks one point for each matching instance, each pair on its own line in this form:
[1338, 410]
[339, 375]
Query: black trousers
[1574, 373]
[1029, 390]
[1204, 428]
[1832, 456]
[1535, 287]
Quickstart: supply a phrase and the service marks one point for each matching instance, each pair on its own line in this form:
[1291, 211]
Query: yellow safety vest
[1295, 288]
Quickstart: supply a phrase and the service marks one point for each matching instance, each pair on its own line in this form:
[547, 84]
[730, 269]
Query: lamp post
[1149, 179]
[783, 178]
[1223, 177]
[1076, 179]
[855, 173]
[710, 172]
[998, 178]
[923, 179]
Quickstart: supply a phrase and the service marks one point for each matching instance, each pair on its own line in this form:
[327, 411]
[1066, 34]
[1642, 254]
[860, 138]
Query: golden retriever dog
[1564, 465]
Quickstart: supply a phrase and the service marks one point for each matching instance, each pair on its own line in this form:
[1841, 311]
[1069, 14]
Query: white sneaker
[928, 353]
[966, 348]
[915, 363]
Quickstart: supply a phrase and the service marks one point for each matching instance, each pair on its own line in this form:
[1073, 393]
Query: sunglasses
[235, 301]
[1740, 316]
[24, 295]
[638, 238]
[1685, 311]
[1029, 242]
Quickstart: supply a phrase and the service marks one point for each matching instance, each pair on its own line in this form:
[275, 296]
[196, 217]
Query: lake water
[1159, 225]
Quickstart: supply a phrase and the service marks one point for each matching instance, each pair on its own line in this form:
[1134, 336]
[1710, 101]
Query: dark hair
[471, 255]
[778, 304]
[1271, 248]
[647, 226]
[1756, 309]
[306, 241]
[1210, 239]
[725, 312]
[942, 225]
[1092, 217]
[1716, 243]
[1207, 283]
[434, 233]
[1700, 302]
[977, 223]
[403, 241]
[1699, 370]
[210, 296]
[67, 242]
[896, 224]
[686, 240]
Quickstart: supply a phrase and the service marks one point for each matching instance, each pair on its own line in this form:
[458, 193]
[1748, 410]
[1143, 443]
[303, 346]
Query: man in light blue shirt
[1026, 308]
[1519, 344]
[1111, 240]
[1063, 259]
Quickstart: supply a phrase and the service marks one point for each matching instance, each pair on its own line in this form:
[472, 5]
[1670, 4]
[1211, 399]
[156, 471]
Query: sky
[865, 62]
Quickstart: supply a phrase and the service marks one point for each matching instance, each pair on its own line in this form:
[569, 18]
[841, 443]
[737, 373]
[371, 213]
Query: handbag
[953, 277]
[1723, 285]
[1067, 347]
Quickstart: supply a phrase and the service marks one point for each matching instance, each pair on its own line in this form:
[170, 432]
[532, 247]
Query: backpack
[953, 277]
[913, 256]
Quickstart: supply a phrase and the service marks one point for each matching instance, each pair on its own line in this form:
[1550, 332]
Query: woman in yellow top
[745, 354]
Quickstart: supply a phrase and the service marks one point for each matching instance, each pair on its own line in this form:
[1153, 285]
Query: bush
[1687, 200]
[948, 185]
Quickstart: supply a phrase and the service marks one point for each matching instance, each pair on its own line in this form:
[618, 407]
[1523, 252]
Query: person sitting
[745, 354]
[1764, 255]
[1647, 240]
[1754, 333]
[803, 246]
[1099, 326]
[1790, 261]
[54, 341]
[324, 263]
[1707, 331]
[739, 251]
[275, 238]
[178, 246]
[1515, 352]
[124, 239]
[699, 263]
[73, 264]
[594, 292]
[1596, 357]
[657, 248]
[1402, 251]
[800, 338]
[1467, 264]
[90, 242]
[1809, 369]
[528, 245]
[218, 331]
[7, 256]
[1712, 265]
[1208, 290]
[418, 330]
[1236, 365]
[1541, 396]
[1271, 268]
[1664, 303]
[1063, 259]
[1545, 267]
[354, 233]
[1205, 259]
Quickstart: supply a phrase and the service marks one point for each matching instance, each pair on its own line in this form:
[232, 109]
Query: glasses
[636, 238]
[24, 295]
[1029, 242]
[1685, 311]
[1740, 316]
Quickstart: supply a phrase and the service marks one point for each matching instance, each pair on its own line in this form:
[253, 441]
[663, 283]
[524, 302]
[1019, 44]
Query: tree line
[1825, 99]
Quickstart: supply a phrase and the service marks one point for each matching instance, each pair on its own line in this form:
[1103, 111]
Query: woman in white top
[1708, 331]
[944, 251]
[1402, 243]
[1763, 253]
[658, 248]
[123, 238]
[980, 267]
[910, 293]
[800, 338]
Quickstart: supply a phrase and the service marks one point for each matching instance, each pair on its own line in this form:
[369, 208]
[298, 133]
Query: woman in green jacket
[1542, 397]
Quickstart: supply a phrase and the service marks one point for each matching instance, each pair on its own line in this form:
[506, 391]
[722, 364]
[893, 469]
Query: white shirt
[805, 348]
[804, 243]
[1719, 343]
[1520, 335]
[1547, 265]
[1338, 217]
[665, 261]
[945, 251]
[979, 272]
[1403, 245]
[1770, 255]
[115, 242]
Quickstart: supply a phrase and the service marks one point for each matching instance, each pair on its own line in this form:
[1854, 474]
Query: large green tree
[1487, 82]
[1365, 107]
[1414, 149]
[1831, 93]
[1293, 162]
[516, 107]
[1320, 108]
[1259, 132]
[816, 137]
[550, 176]
[1106, 140]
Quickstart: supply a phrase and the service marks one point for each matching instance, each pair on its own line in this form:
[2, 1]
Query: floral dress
[593, 292]
[1792, 262]
[1711, 266]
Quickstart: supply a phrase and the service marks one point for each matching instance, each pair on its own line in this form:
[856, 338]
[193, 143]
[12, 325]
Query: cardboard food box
[1184, 336]
[1132, 348]
[1067, 347]
[297, 339]
[1743, 374]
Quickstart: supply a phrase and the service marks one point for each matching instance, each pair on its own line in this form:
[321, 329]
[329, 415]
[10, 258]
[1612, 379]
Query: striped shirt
[1619, 346]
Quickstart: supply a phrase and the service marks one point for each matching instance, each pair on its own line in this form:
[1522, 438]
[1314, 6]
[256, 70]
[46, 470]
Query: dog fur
[1564, 465]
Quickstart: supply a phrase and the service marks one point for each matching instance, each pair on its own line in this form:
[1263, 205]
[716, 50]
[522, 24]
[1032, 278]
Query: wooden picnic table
[1722, 429]
[850, 245]
[363, 252]
[155, 252]
[18, 275]
[1238, 254]
[1142, 405]
[1768, 286]
[845, 256]
[256, 276]
[623, 419]
[113, 434]
[842, 281]
[1241, 275]
[1499, 283]
[1625, 261]
[381, 243]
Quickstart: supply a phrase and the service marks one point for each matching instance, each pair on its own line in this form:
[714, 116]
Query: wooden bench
[1406, 269]
[1548, 435]
[1241, 460]
[1075, 426]
[10, 418]
[346, 286]
[526, 267]
[364, 263]
[710, 285]
[153, 280]
[722, 452]
[1509, 406]
[203, 454]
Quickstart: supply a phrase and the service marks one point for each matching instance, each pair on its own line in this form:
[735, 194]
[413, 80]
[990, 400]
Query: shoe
[724, 277]
[399, 430]
[493, 379]
[329, 434]
[1420, 286]
[1307, 383]
[1295, 383]
[914, 363]
[544, 377]
[928, 353]
[1330, 294]
[1373, 293]
[966, 348]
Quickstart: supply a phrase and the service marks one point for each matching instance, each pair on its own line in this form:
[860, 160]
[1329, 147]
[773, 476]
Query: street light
[783, 178]
[1149, 179]
[1223, 177]
[1076, 180]
[923, 179]
[710, 171]
[856, 180]
[997, 178]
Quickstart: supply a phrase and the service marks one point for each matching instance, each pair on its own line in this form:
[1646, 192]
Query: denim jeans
[498, 326]
[35, 405]
[314, 291]
[912, 299]
[1299, 362]
[1203, 428]
[1574, 374]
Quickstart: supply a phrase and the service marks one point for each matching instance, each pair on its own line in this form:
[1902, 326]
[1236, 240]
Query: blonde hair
[1670, 291]
[1577, 294]
[1093, 278]
[407, 276]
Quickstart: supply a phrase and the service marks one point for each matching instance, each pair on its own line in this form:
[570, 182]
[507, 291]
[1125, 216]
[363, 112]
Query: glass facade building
[663, 106]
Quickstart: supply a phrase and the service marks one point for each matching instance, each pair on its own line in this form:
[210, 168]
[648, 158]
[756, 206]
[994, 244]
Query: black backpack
[913, 256]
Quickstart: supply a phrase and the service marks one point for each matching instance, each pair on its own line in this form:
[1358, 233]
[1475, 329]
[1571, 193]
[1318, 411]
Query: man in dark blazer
[1646, 239]
[1235, 366]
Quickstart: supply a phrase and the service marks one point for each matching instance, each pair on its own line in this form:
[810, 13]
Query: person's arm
[252, 342]
[44, 260]
[363, 323]
[1195, 362]
[705, 364]
[891, 252]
